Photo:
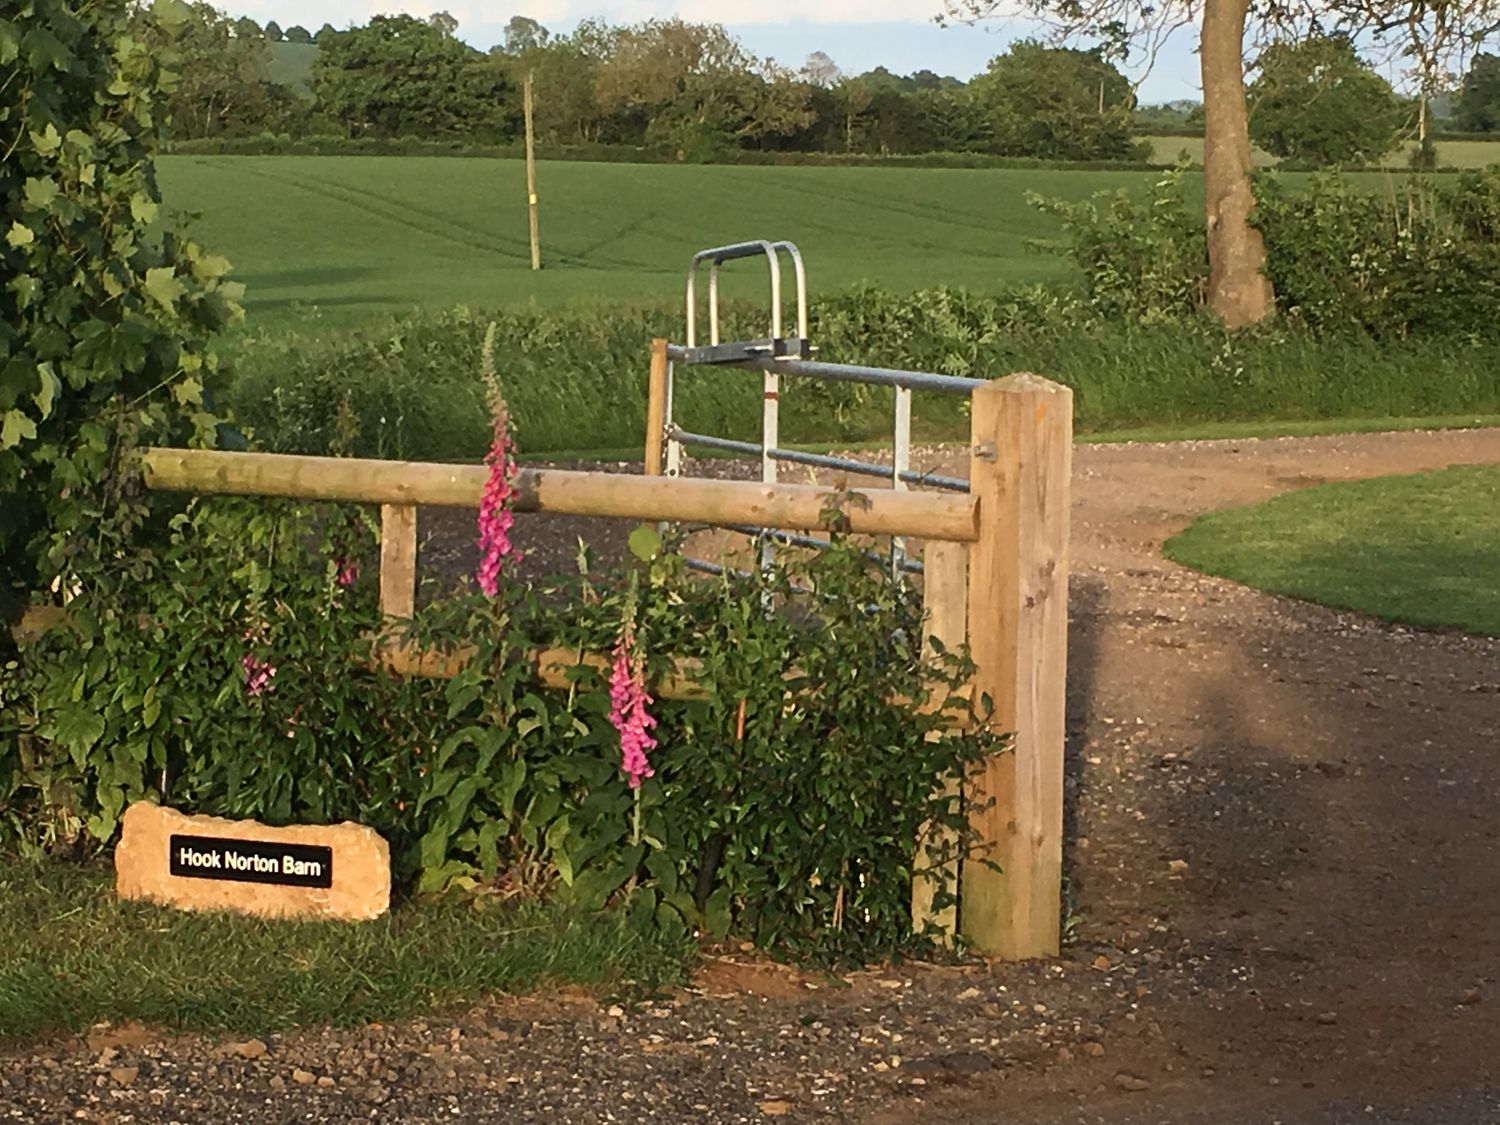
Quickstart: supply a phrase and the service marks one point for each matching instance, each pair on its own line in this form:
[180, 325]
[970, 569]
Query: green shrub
[575, 379]
[272, 144]
[1418, 260]
[1143, 258]
[105, 314]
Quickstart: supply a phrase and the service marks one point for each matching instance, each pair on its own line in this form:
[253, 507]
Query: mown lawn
[1421, 549]
[75, 955]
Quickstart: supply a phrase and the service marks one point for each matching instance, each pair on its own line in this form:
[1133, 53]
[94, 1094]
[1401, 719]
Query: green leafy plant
[240, 675]
[105, 314]
[1143, 259]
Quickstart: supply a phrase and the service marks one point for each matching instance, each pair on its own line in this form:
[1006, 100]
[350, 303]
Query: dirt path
[1284, 864]
[1329, 783]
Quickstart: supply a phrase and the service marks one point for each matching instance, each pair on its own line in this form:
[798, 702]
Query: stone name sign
[207, 863]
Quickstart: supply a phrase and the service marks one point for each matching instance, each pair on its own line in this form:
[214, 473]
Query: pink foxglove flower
[495, 516]
[258, 674]
[348, 571]
[628, 699]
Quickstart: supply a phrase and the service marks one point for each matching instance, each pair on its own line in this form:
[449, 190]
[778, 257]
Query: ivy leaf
[717, 917]
[48, 141]
[40, 192]
[170, 14]
[20, 235]
[44, 50]
[10, 42]
[47, 394]
[143, 208]
[189, 392]
[163, 287]
[15, 428]
[25, 288]
[78, 729]
[211, 266]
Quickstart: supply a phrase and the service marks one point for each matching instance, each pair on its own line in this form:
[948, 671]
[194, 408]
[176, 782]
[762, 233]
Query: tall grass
[576, 378]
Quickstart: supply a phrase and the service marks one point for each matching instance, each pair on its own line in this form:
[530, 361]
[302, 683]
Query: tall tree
[274, 32]
[298, 34]
[1478, 106]
[522, 33]
[855, 99]
[1318, 101]
[1432, 29]
[821, 70]
[697, 87]
[401, 76]
[325, 33]
[1057, 103]
[563, 75]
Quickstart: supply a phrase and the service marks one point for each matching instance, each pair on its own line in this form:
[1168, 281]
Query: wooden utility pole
[536, 242]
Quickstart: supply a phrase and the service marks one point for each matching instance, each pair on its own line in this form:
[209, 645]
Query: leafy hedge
[285, 145]
[1418, 259]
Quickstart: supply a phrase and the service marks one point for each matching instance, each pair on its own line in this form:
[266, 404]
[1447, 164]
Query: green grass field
[328, 242]
[352, 236]
[1417, 549]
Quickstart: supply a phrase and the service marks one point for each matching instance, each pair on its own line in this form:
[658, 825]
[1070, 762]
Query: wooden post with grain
[945, 613]
[398, 560]
[656, 409]
[1019, 468]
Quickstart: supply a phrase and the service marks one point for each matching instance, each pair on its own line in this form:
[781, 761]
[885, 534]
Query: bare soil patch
[1284, 876]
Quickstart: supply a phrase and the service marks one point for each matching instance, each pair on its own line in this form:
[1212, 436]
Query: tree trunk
[1237, 290]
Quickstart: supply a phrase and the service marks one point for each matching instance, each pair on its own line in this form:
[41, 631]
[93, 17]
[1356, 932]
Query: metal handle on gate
[717, 256]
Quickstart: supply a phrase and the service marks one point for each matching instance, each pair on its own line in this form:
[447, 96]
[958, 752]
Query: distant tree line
[672, 84]
[692, 90]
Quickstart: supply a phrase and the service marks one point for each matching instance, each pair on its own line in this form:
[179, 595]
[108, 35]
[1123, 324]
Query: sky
[858, 35]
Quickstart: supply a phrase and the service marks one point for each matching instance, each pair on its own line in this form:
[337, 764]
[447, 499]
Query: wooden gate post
[656, 409]
[1019, 468]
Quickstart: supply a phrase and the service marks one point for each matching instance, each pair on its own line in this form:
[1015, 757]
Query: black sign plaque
[250, 861]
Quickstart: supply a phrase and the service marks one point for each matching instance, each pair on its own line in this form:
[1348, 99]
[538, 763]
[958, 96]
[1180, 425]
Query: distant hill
[291, 65]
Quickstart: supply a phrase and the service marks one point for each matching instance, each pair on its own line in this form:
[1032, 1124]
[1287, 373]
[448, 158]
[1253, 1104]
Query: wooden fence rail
[791, 507]
[997, 578]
